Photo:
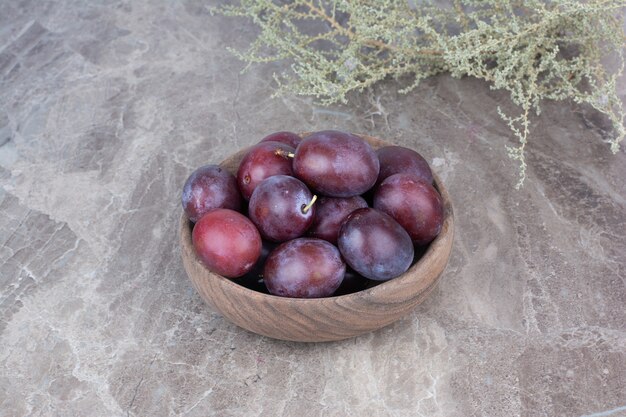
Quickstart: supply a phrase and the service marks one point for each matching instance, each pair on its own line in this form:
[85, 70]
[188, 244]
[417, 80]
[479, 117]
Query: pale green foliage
[535, 50]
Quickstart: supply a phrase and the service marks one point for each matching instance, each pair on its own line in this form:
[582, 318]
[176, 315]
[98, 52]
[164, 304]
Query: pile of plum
[300, 209]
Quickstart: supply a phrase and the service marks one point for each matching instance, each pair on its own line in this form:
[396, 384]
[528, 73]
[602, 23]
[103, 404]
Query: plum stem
[308, 206]
[284, 153]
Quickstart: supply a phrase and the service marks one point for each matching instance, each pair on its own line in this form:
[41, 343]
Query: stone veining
[104, 111]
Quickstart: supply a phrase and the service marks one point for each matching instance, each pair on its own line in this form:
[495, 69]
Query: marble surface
[106, 107]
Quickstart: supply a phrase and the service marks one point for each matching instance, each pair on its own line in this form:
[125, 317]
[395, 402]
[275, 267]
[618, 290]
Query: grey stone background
[106, 107]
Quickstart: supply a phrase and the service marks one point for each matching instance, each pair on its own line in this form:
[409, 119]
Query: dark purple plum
[226, 242]
[288, 138]
[330, 212]
[281, 208]
[375, 245]
[413, 203]
[207, 188]
[336, 164]
[262, 161]
[398, 159]
[304, 268]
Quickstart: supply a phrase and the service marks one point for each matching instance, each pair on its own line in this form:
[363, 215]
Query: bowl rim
[433, 249]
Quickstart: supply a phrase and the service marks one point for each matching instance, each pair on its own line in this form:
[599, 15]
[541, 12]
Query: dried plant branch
[535, 50]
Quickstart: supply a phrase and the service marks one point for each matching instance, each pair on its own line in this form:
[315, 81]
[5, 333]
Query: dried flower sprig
[536, 50]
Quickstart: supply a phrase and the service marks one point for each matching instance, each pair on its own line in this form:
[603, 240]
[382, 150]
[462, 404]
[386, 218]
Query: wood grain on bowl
[321, 319]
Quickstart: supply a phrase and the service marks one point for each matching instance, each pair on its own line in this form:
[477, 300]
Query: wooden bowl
[321, 319]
